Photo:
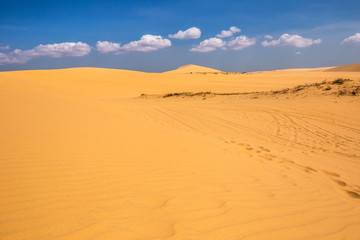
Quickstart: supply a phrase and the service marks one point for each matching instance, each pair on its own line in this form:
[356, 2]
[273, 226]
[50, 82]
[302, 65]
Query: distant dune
[346, 68]
[320, 69]
[190, 68]
[91, 153]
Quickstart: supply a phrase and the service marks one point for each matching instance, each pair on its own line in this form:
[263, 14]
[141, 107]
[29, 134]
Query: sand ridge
[191, 68]
[346, 68]
[83, 156]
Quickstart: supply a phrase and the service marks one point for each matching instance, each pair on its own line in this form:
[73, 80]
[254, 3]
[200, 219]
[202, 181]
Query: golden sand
[190, 68]
[83, 156]
[346, 68]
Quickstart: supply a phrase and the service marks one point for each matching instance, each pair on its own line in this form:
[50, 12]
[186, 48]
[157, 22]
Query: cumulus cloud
[293, 40]
[191, 33]
[4, 47]
[228, 33]
[106, 47]
[8, 58]
[147, 43]
[64, 49]
[268, 37]
[241, 42]
[209, 45]
[298, 53]
[212, 44]
[352, 39]
[55, 50]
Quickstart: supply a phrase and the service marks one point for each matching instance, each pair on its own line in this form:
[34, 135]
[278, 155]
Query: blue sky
[135, 34]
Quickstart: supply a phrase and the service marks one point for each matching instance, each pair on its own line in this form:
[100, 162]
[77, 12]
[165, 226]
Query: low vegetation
[337, 87]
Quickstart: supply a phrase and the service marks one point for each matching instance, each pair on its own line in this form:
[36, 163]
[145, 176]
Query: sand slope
[84, 157]
[190, 68]
[346, 68]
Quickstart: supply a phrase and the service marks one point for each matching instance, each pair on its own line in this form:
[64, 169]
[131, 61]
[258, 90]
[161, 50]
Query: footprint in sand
[353, 194]
[309, 169]
[264, 149]
[341, 183]
[330, 173]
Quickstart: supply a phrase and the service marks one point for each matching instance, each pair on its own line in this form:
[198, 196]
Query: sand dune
[320, 69]
[346, 68]
[84, 156]
[190, 68]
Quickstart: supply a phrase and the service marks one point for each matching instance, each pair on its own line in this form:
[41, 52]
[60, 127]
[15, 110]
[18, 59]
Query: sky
[157, 36]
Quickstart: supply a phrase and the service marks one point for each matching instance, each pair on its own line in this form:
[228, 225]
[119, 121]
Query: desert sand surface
[346, 68]
[90, 153]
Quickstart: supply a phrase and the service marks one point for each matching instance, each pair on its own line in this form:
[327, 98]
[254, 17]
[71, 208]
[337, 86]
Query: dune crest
[190, 68]
[346, 68]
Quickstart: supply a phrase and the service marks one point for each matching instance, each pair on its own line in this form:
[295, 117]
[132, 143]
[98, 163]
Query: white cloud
[212, 44]
[293, 40]
[191, 33]
[7, 58]
[147, 43]
[106, 47]
[352, 39]
[4, 47]
[64, 49]
[268, 37]
[55, 50]
[209, 45]
[241, 42]
[298, 53]
[228, 33]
